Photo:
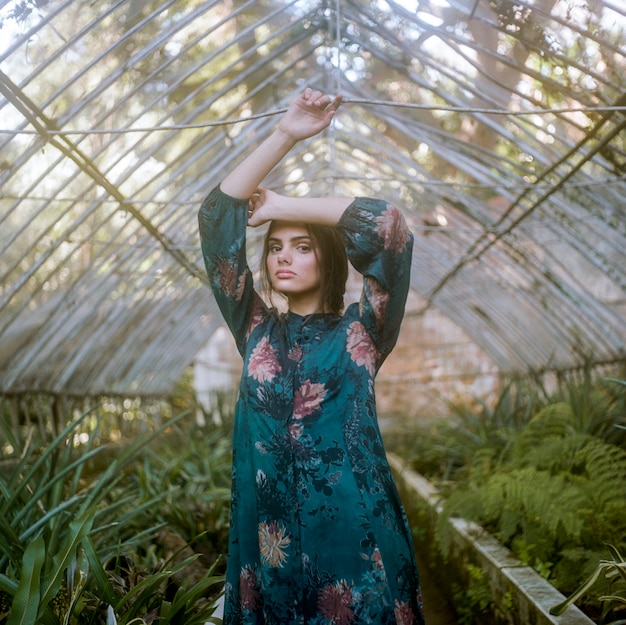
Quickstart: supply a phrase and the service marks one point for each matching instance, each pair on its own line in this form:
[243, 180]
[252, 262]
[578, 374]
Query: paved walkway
[436, 608]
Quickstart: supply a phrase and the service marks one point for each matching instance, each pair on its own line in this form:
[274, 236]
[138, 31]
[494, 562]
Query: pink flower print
[334, 603]
[378, 298]
[248, 589]
[273, 542]
[377, 560]
[392, 228]
[295, 353]
[403, 613]
[263, 365]
[307, 399]
[361, 348]
[230, 283]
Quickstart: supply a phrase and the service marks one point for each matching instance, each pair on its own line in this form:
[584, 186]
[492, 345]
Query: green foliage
[193, 466]
[80, 526]
[557, 492]
[598, 405]
[548, 478]
[614, 571]
[478, 431]
[473, 600]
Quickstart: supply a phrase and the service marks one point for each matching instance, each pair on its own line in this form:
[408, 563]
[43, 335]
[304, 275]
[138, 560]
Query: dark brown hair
[330, 252]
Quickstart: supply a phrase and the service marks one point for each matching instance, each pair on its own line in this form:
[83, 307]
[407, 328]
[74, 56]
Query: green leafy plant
[61, 523]
[555, 499]
[448, 449]
[474, 600]
[193, 465]
[614, 572]
[548, 479]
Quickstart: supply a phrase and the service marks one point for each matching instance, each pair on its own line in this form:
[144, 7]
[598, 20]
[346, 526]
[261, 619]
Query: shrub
[546, 474]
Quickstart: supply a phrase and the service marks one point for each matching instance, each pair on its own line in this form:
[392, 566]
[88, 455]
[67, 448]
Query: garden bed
[478, 575]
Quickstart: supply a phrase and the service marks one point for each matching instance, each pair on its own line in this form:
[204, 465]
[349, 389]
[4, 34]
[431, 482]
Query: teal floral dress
[318, 535]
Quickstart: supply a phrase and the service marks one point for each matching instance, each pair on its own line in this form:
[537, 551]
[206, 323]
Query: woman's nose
[284, 258]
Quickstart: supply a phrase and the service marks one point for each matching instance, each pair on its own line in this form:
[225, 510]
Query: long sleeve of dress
[379, 245]
[223, 221]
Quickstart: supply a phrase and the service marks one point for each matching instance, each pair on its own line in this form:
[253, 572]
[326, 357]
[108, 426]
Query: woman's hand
[262, 207]
[311, 113]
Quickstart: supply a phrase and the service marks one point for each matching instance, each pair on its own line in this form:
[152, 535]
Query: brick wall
[433, 363]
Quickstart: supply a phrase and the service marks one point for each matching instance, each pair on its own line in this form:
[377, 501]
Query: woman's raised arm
[311, 113]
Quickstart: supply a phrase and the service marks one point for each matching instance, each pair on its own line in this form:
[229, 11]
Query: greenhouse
[497, 127]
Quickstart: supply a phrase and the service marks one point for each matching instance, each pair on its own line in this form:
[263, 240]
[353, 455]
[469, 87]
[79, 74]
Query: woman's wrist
[285, 139]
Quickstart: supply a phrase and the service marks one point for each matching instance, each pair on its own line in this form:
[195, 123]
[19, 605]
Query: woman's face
[293, 265]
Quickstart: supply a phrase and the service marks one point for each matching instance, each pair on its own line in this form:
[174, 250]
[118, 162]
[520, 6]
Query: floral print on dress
[229, 281]
[403, 613]
[318, 533]
[377, 560]
[307, 398]
[248, 589]
[295, 430]
[360, 347]
[379, 298]
[390, 225]
[273, 542]
[335, 603]
[257, 316]
[263, 365]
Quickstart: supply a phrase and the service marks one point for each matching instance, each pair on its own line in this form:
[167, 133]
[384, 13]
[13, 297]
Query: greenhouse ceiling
[498, 127]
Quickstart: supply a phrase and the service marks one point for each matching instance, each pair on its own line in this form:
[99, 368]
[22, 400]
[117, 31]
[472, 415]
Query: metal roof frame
[117, 118]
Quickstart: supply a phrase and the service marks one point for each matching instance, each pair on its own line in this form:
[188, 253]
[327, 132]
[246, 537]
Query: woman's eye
[304, 248]
[274, 249]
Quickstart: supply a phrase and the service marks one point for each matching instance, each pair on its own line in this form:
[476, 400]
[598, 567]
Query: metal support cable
[53, 131]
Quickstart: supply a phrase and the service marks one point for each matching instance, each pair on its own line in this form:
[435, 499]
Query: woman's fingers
[317, 98]
[337, 100]
[255, 203]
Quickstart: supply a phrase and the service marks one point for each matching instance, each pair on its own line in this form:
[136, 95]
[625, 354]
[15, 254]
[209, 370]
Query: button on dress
[318, 534]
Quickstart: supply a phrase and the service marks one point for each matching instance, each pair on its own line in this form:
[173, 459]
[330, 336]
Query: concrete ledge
[519, 595]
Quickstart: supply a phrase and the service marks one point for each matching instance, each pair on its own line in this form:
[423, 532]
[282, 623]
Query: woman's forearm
[311, 113]
[312, 210]
[266, 205]
[242, 181]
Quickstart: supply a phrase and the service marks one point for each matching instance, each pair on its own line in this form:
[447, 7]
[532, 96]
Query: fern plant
[448, 449]
[555, 496]
[545, 472]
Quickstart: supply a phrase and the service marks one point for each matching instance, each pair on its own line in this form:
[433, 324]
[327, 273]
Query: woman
[318, 534]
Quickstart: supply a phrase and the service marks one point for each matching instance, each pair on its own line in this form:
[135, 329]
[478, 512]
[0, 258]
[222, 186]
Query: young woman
[318, 534]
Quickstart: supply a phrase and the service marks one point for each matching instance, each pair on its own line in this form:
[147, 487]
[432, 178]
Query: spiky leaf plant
[613, 571]
[57, 519]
